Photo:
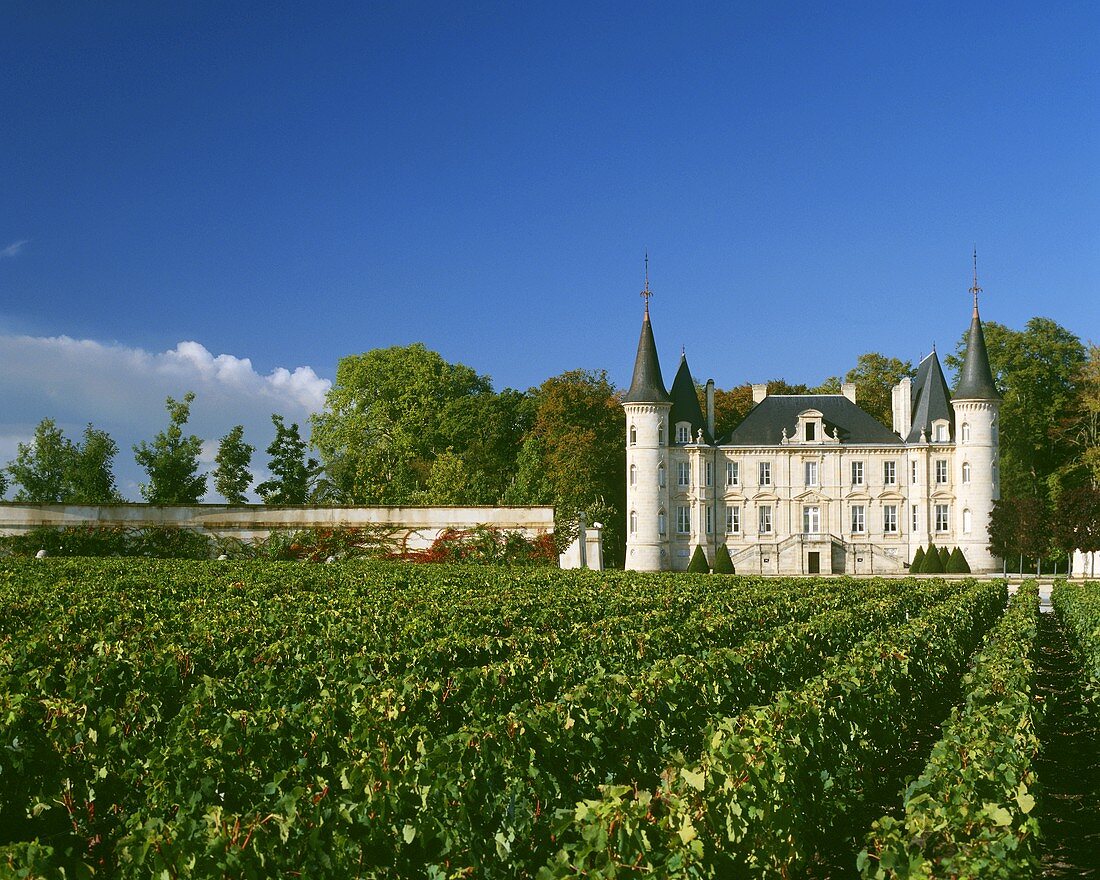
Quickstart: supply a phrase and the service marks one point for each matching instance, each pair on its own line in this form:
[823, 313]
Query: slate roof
[931, 399]
[976, 377]
[647, 386]
[764, 424]
[685, 402]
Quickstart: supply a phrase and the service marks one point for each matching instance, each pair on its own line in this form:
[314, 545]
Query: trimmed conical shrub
[699, 561]
[933, 563]
[723, 564]
[918, 561]
[957, 564]
[945, 556]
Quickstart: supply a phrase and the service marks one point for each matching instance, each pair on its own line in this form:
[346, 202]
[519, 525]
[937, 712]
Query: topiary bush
[945, 555]
[957, 564]
[699, 561]
[723, 564]
[933, 563]
[918, 561]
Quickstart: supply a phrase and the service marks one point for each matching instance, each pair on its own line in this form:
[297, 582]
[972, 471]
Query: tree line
[402, 426]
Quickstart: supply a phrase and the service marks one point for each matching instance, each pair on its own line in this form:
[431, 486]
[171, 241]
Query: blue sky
[286, 184]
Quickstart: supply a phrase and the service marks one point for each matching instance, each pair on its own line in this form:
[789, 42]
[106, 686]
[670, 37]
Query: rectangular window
[916, 518]
[889, 473]
[913, 472]
[683, 473]
[811, 430]
[811, 520]
[733, 520]
[941, 470]
[765, 519]
[683, 434]
[661, 523]
[942, 521]
[733, 473]
[859, 519]
[710, 473]
[710, 521]
[683, 520]
[857, 473]
[765, 473]
[890, 519]
[811, 473]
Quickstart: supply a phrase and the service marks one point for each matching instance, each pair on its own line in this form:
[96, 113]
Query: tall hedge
[699, 561]
[723, 564]
[918, 561]
[957, 564]
[933, 562]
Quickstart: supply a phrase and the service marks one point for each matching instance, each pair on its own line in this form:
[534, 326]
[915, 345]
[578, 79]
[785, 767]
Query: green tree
[875, 376]
[90, 478]
[381, 428]
[171, 461]
[1076, 520]
[449, 481]
[1081, 426]
[1036, 371]
[579, 425]
[292, 472]
[41, 468]
[232, 476]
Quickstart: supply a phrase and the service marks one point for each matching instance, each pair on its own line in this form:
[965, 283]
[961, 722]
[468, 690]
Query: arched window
[966, 432]
[993, 472]
[633, 435]
[633, 522]
[660, 433]
[633, 475]
[661, 521]
[966, 472]
[661, 475]
[967, 521]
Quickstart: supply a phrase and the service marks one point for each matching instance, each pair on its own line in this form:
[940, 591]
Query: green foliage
[933, 561]
[1036, 370]
[485, 545]
[945, 555]
[723, 564]
[84, 541]
[1076, 520]
[918, 561]
[875, 376]
[292, 473]
[172, 460]
[1078, 607]
[1020, 526]
[381, 428]
[699, 561]
[957, 563]
[52, 469]
[971, 812]
[232, 476]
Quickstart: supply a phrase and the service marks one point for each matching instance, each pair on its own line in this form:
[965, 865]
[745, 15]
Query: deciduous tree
[91, 478]
[232, 476]
[874, 376]
[172, 460]
[41, 467]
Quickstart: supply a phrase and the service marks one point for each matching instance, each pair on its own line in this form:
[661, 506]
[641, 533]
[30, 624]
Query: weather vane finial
[975, 289]
[646, 292]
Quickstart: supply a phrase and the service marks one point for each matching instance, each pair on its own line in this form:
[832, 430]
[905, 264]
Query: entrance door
[813, 562]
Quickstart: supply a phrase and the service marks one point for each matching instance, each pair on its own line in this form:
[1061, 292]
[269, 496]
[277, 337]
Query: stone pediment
[858, 495]
[891, 494]
[943, 495]
[811, 496]
[765, 496]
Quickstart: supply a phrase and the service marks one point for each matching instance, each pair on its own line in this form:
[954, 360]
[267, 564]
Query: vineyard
[189, 719]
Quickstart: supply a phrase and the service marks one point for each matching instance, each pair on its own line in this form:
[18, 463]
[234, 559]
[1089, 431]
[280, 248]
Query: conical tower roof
[647, 386]
[685, 401]
[976, 376]
[930, 399]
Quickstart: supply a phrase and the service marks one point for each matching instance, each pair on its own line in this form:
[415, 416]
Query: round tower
[647, 406]
[977, 404]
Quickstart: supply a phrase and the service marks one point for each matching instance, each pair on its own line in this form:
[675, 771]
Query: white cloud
[14, 248]
[122, 390]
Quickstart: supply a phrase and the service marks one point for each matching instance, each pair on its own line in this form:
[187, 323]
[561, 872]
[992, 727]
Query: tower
[647, 406]
[977, 404]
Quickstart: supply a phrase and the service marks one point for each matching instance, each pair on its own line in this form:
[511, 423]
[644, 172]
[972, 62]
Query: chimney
[710, 409]
[848, 389]
[901, 400]
[759, 392]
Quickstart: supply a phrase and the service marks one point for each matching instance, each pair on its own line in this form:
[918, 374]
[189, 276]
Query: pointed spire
[646, 385]
[976, 376]
[975, 289]
[685, 400]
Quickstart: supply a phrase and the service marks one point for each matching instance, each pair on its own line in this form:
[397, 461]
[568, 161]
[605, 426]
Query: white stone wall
[646, 426]
[414, 527]
[978, 446]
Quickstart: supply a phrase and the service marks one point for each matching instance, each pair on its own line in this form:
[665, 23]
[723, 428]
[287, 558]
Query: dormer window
[940, 431]
[810, 427]
[811, 431]
[683, 432]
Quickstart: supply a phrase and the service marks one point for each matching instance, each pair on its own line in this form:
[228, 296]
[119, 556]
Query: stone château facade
[811, 483]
